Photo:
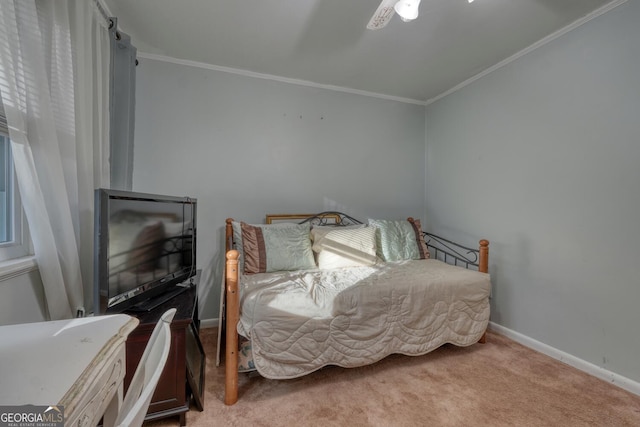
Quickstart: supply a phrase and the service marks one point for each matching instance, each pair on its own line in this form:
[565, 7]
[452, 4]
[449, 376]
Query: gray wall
[22, 298]
[246, 147]
[542, 157]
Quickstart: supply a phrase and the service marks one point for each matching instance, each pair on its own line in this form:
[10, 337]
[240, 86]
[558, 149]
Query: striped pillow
[399, 240]
[338, 247]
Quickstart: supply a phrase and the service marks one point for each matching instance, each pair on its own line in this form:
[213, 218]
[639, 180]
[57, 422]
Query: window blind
[3, 120]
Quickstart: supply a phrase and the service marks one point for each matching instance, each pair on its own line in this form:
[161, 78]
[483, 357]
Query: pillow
[268, 249]
[237, 236]
[146, 248]
[399, 240]
[338, 247]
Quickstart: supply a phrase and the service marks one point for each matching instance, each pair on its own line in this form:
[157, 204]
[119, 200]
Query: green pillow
[399, 240]
[283, 248]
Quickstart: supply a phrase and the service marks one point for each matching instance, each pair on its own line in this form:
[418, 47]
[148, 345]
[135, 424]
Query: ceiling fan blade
[383, 15]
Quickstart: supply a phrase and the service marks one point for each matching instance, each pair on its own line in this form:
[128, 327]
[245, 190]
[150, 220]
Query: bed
[306, 291]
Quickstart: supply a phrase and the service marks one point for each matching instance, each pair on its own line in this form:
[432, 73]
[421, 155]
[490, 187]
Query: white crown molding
[575, 24]
[277, 78]
[591, 369]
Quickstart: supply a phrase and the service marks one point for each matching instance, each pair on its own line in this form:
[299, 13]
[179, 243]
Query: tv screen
[145, 245]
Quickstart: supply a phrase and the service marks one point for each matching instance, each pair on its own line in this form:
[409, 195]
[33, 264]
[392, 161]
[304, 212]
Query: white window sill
[17, 267]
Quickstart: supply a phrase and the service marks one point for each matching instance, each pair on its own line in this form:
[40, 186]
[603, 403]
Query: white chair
[143, 384]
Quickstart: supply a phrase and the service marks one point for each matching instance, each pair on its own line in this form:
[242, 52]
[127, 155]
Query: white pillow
[338, 247]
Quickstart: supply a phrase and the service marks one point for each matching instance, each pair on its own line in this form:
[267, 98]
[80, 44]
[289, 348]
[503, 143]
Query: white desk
[78, 363]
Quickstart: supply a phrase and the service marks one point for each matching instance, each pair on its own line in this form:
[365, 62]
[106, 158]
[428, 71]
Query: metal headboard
[450, 252]
[333, 218]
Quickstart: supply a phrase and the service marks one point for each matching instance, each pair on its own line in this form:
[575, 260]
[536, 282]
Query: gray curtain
[122, 107]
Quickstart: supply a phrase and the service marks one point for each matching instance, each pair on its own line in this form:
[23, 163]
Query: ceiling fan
[407, 9]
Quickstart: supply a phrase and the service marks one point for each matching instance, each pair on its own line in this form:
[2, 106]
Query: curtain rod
[107, 16]
[103, 11]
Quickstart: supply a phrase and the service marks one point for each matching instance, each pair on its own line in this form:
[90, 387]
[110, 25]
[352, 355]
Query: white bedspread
[301, 321]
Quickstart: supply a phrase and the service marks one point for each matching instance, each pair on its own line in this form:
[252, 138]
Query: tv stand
[183, 375]
[155, 302]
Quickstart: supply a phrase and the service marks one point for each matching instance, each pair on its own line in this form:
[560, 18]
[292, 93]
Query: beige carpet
[500, 383]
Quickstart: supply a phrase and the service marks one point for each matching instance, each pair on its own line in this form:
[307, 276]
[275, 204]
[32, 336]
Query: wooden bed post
[228, 235]
[231, 347]
[483, 267]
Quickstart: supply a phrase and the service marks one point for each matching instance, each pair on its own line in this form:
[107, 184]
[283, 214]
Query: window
[14, 242]
[6, 193]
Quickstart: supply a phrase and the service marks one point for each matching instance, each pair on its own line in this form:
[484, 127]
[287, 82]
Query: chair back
[143, 384]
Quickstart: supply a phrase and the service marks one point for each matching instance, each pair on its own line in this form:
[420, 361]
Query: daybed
[331, 290]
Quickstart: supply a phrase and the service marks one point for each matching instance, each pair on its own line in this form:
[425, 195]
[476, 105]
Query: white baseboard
[209, 323]
[591, 369]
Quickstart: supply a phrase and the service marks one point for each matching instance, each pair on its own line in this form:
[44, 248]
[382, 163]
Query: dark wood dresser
[183, 375]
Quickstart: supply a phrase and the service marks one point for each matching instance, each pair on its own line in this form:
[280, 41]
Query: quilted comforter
[301, 321]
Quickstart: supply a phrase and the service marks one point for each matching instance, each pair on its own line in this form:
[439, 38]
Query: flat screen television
[145, 247]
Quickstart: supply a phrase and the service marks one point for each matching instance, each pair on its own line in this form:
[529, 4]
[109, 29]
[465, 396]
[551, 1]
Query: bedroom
[539, 156]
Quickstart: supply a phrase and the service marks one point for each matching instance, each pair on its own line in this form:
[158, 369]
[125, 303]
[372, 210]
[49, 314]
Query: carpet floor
[500, 383]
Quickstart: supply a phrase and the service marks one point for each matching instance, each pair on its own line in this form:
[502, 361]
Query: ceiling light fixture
[407, 9]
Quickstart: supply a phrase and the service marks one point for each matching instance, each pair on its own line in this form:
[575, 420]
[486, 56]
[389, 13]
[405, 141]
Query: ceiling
[326, 41]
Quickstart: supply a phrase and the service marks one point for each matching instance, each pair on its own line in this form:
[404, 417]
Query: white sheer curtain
[91, 44]
[54, 60]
